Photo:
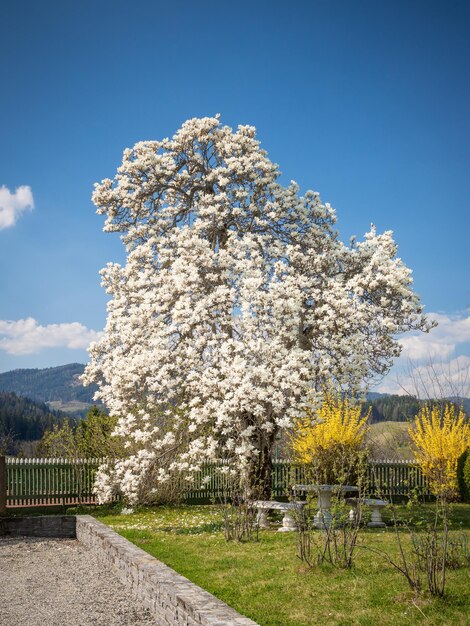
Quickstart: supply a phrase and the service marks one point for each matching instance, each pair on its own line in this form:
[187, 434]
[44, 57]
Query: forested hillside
[395, 408]
[392, 408]
[22, 419]
[53, 384]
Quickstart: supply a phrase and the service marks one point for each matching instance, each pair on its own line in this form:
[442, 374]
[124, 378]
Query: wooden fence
[39, 482]
[384, 478]
[391, 479]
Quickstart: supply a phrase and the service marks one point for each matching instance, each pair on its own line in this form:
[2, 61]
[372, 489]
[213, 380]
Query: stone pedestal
[322, 519]
[262, 519]
[288, 523]
[376, 520]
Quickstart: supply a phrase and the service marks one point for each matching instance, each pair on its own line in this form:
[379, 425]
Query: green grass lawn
[266, 581]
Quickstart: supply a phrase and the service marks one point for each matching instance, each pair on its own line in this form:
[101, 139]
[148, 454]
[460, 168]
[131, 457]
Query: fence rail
[384, 478]
[38, 482]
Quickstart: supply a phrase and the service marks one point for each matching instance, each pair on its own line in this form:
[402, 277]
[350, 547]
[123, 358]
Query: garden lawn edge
[172, 598]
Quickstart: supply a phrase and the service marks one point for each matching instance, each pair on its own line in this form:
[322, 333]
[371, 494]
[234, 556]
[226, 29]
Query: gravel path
[59, 582]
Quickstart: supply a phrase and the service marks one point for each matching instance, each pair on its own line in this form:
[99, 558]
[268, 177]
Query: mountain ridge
[50, 384]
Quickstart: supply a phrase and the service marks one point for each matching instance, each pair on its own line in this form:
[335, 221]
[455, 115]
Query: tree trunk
[261, 471]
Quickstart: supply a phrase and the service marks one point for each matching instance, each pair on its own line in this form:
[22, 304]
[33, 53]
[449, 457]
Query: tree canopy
[237, 304]
[90, 437]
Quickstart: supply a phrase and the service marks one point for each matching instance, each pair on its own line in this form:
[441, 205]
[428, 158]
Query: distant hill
[394, 408]
[58, 386]
[391, 408]
[373, 395]
[389, 440]
[22, 419]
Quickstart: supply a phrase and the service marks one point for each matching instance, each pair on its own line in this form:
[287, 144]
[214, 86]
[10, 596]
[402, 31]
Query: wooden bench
[288, 521]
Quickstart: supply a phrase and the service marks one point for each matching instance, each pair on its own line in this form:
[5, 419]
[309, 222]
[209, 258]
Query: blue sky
[365, 102]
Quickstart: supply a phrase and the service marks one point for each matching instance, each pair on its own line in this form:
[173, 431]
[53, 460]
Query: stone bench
[323, 518]
[288, 521]
[376, 505]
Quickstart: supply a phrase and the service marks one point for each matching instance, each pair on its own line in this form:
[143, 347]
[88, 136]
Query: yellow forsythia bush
[440, 435]
[329, 439]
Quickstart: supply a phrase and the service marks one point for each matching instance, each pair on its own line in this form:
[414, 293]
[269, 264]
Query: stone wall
[171, 598]
[39, 526]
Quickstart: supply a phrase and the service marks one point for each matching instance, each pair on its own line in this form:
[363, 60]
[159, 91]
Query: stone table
[323, 517]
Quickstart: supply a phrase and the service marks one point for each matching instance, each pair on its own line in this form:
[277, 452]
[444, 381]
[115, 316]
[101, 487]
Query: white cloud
[434, 364]
[28, 337]
[433, 379]
[441, 341]
[12, 205]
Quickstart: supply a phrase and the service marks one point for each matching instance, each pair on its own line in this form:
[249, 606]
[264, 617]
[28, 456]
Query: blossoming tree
[236, 301]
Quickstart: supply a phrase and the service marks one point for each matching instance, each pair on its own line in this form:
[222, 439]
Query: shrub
[463, 476]
[466, 474]
[329, 440]
[440, 436]
[89, 438]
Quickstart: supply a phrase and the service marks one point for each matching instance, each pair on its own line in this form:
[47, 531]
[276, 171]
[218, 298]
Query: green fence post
[3, 486]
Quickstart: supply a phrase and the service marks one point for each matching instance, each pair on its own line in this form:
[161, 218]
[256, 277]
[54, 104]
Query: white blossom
[237, 302]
